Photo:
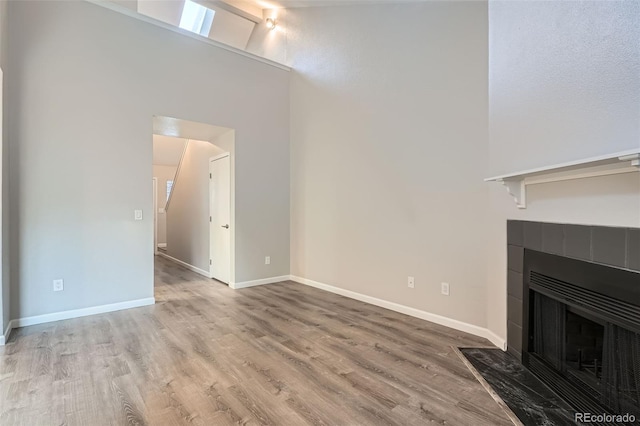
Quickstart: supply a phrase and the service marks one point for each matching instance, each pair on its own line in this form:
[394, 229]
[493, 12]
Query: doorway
[202, 195]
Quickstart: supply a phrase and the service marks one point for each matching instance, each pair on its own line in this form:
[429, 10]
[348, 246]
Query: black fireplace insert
[582, 323]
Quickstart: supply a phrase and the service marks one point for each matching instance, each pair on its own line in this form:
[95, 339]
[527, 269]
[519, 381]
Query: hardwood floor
[279, 354]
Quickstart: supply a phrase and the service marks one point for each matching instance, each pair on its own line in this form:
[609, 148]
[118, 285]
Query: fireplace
[574, 311]
[583, 323]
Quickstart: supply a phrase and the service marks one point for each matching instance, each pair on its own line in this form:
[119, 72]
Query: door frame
[232, 217]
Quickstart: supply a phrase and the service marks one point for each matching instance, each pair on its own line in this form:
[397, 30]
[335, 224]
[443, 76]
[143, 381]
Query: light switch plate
[137, 214]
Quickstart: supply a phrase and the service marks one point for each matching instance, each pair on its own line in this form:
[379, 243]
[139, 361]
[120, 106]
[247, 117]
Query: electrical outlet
[411, 282]
[444, 288]
[267, 260]
[58, 285]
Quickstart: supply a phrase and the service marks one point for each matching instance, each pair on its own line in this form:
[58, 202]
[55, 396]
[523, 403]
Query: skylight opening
[196, 18]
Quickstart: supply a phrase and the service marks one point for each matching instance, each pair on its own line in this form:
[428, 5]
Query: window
[169, 187]
[196, 18]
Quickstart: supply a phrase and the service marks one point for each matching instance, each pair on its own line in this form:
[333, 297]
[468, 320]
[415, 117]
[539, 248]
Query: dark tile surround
[613, 246]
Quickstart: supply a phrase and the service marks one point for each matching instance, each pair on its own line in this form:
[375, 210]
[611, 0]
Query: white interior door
[220, 220]
[155, 215]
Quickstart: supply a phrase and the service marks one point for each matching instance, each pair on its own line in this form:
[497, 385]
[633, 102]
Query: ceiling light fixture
[271, 23]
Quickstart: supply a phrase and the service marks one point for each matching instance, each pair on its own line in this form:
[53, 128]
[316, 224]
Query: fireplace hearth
[575, 323]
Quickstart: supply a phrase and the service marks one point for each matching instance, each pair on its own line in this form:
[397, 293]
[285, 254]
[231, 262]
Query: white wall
[564, 81]
[4, 179]
[129, 4]
[82, 99]
[163, 174]
[188, 214]
[388, 152]
[168, 11]
[268, 43]
[564, 85]
[167, 151]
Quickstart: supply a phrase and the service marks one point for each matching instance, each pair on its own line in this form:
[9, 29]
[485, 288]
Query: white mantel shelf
[603, 165]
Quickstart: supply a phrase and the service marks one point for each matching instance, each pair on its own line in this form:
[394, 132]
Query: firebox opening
[583, 336]
[583, 344]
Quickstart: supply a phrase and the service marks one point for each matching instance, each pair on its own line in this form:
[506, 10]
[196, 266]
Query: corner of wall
[4, 338]
[4, 167]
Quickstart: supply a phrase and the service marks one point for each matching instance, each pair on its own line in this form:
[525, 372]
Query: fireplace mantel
[603, 165]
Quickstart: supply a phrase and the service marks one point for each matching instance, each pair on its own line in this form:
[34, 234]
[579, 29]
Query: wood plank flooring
[279, 354]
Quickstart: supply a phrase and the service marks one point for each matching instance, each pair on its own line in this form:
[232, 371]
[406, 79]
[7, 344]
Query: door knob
[225, 226]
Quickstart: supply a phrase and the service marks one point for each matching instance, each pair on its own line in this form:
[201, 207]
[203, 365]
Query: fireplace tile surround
[614, 246]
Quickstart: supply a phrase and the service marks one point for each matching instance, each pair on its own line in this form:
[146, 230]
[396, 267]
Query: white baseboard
[186, 265]
[4, 338]
[76, 313]
[245, 284]
[162, 245]
[417, 313]
[495, 339]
